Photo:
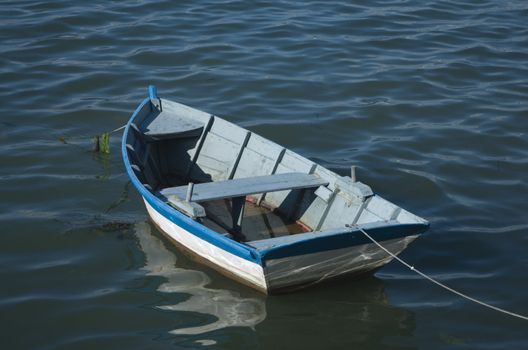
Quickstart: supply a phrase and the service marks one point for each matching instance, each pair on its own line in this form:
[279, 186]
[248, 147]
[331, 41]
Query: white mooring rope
[118, 129]
[441, 284]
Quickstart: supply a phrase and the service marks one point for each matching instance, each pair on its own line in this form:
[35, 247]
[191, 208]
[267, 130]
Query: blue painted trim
[153, 92]
[343, 239]
[195, 228]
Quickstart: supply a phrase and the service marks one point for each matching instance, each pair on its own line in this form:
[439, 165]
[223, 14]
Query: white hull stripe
[246, 270]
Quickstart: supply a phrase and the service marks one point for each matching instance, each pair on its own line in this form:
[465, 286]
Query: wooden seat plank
[246, 186]
[167, 126]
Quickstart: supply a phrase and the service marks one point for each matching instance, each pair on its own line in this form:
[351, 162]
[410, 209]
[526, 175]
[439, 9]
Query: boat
[251, 209]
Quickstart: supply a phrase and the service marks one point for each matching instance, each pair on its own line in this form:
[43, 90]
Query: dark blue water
[428, 99]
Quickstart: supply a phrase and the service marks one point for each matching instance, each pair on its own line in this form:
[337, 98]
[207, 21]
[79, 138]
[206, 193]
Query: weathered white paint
[314, 268]
[244, 269]
[285, 272]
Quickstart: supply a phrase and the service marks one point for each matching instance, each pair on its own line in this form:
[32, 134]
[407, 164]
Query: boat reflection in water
[229, 308]
[363, 314]
[340, 314]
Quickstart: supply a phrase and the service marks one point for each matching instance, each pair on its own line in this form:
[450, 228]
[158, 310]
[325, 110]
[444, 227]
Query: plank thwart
[246, 186]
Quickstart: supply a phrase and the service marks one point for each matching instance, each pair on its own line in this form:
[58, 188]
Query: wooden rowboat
[251, 209]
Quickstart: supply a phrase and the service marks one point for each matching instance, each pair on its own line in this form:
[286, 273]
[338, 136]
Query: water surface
[428, 99]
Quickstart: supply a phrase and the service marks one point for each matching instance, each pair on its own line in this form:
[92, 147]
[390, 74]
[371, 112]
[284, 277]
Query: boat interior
[240, 184]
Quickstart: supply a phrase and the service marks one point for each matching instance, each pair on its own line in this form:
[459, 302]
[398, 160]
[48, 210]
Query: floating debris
[96, 144]
[116, 226]
[123, 198]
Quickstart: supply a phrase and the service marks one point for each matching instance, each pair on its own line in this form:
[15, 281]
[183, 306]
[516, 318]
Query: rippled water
[428, 99]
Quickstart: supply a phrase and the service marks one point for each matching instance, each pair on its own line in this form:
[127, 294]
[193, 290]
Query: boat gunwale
[339, 238]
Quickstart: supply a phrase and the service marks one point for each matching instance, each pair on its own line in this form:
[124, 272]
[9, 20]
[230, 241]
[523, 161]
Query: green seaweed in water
[104, 143]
